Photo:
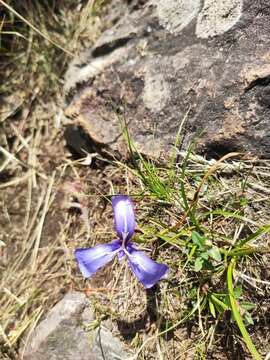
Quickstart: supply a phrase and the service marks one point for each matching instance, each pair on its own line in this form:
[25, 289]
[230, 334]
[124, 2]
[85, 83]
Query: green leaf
[198, 264]
[204, 255]
[220, 303]
[243, 202]
[214, 253]
[226, 301]
[198, 239]
[192, 252]
[237, 291]
[248, 319]
[192, 293]
[212, 308]
[247, 305]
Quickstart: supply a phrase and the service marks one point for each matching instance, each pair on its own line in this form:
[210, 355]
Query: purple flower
[145, 269]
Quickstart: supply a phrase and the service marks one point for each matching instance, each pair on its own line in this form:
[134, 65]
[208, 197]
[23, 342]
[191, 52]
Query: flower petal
[145, 269]
[90, 260]
[124, 216]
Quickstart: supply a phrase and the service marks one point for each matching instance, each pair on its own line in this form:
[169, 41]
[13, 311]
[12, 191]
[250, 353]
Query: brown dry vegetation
[51, 203]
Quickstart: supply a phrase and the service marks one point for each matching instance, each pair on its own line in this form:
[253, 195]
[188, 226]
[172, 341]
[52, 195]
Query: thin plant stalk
[237, 315]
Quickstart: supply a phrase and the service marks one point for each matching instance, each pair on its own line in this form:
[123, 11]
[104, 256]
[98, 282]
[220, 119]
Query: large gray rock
[164, 58]
[63, 335]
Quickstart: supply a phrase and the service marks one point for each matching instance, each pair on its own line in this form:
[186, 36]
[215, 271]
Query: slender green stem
[262, 230]
[237, 315]
[248, 251]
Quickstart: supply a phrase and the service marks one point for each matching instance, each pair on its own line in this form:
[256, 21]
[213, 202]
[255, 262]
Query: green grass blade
[237, 315]
[262, 230]
[227, 214]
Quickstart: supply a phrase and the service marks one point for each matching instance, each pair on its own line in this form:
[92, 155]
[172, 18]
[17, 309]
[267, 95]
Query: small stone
[107, 347]
[64, 334]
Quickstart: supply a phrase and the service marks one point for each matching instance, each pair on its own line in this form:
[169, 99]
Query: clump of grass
[208, 221]
[210, 230]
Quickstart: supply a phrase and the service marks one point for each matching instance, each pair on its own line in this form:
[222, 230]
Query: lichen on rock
[175, 15]
[217, 17]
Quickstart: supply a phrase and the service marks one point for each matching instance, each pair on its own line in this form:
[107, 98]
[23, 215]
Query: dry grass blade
[4, 336]
[16, 181]
[209, 172]
[35, 28]
[41, 223]
[213, 169]
[25, 324]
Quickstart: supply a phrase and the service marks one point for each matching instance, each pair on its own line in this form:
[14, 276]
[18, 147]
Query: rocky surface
[65, 335]
[165, 58]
